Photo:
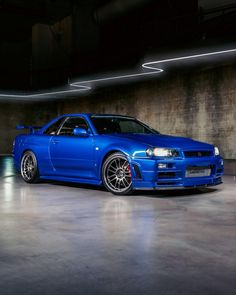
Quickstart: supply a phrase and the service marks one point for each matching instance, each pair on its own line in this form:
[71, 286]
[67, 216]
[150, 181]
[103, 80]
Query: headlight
[217, 152]
[162, 152]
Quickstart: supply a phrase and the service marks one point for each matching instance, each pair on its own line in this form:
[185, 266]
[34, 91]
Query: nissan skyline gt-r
[119, 152]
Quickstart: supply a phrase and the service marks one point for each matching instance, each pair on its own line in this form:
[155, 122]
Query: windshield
[117, 124]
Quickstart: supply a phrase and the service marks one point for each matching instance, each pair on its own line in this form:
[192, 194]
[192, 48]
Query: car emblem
[199, 154]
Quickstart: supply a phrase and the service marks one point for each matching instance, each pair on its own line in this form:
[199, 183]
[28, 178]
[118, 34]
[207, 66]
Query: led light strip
[150, 66]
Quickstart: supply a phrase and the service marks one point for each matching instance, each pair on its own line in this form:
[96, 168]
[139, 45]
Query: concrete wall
[12, 114]
[201, 105]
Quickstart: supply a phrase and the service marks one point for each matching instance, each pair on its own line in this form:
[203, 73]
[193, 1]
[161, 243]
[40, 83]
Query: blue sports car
[119, 152]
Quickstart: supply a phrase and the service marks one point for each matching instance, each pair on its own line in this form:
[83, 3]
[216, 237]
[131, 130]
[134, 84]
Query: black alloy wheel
[29, 167]
[116, 174]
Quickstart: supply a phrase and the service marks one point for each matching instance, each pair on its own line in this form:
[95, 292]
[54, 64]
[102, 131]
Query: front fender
[130, 151]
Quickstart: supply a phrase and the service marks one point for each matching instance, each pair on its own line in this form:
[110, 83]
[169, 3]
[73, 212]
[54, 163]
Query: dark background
[45, 42]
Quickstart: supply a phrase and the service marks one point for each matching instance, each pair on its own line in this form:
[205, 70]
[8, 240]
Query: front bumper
[148, 175]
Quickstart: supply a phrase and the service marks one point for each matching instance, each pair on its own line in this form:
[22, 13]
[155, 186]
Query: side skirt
[74, 180]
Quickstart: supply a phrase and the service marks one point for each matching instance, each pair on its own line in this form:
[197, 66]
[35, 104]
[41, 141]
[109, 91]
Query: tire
[116, 174]
[29, 168]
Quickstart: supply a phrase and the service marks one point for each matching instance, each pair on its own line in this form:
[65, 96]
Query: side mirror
[81, 132]
[20, 127]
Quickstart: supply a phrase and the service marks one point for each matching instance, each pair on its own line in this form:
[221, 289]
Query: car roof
[96, 115]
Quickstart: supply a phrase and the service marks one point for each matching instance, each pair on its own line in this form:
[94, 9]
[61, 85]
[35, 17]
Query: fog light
[222, 162]
[162, 166]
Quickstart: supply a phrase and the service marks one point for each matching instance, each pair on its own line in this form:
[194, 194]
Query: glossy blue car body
[80, 159]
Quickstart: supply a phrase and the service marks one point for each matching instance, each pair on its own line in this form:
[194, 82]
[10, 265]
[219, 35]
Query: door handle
[55, 141]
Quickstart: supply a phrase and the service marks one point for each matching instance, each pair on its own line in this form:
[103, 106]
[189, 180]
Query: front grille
[168, 183]
[166, 175]
[197, 154]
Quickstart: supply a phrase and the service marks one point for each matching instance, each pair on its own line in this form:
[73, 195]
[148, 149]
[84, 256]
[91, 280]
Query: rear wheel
[29, 168]
[116, 174]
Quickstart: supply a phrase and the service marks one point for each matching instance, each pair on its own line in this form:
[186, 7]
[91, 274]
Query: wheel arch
[107, 154]
[18, 157]
[34, 178]
[117, 190]
[29, 150]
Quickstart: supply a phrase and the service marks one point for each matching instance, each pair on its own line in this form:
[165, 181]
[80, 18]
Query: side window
[130, 127]
[52, 129]
[72, 123]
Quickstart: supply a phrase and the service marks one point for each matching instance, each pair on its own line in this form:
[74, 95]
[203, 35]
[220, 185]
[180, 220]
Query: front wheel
[29, 167]
[116, 174]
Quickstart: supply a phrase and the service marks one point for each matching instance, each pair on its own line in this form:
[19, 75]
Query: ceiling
[46, 42]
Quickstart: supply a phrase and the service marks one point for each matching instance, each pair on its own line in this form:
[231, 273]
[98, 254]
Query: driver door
[73, 156]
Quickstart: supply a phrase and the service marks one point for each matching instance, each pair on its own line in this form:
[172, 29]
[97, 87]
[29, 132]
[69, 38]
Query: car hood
[160, 140]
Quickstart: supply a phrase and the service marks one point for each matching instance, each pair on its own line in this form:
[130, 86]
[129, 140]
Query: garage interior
[58, 238]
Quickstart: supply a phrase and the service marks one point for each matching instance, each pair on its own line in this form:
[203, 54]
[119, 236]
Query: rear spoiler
[32, 129]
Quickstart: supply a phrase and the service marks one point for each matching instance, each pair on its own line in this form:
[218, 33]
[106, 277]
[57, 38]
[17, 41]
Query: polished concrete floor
[68, 239]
